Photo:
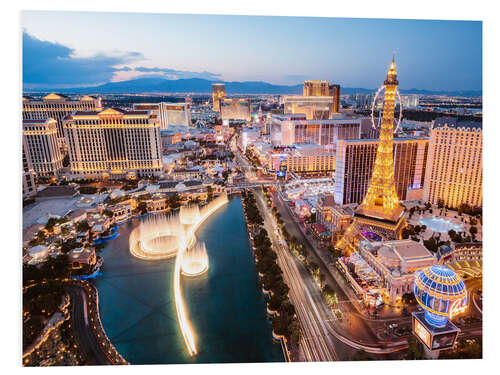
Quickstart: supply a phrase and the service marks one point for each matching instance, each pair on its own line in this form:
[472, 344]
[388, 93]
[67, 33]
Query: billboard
[444, 340]
[422, 332]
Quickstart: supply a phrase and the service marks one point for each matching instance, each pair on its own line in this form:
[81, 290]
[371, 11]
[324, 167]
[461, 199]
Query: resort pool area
[440, 225]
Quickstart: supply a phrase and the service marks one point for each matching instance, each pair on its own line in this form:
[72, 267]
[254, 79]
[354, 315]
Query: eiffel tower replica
[380, 212]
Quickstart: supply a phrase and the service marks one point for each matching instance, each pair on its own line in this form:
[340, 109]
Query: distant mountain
[198, 85]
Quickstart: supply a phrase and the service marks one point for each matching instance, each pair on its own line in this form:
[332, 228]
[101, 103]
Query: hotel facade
[302, 158]
[113, 143]
[455, 166]
[218, 93]
[323, 88]
[235, 109]
[169, 114]
[355, 160]
[287, 130]
[28, 174]
[41, 146]
[57, 106]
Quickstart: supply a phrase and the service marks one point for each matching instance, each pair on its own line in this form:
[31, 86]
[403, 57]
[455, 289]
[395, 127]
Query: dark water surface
[225, 306]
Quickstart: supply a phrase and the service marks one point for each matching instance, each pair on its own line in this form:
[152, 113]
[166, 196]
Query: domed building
[441, 292]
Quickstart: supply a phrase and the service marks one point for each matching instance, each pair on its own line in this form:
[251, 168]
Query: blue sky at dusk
[69, 49]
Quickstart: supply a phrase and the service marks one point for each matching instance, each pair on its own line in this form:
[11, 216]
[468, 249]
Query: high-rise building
[323, 88]
[28, 174]
[355, 160]
[455, 164]
[218, 93]
[380, 213]
[57, 106]
[235, 109]
[287, 130]
[410, 101]
[41, 146]
[316, 88]
[113, 143]
[169, 114]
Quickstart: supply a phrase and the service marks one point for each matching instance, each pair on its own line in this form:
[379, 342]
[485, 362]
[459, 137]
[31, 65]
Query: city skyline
[430, 54]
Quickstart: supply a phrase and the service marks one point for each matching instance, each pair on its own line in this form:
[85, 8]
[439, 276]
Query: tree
[174, 201]
[142, 207]
[322, 279]
[108, 213]
[82, 226]
[415, 348]
[210, 193]
[408, 298]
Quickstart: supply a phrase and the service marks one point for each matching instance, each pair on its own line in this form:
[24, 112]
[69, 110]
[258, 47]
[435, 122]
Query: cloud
[50, 64]
[170, 73]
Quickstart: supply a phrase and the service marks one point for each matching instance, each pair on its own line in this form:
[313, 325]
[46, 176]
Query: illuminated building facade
[57, 106]
[169, 114]
[396, 263]
[332, 215]
[460, 252]
[287, 130]
[455, 165]
[218, 93]
[380, 212]
[302, 158]
[314, 107]
[40, 139]
[316, 88]
[235, 109]
[323, 88]
[355, 160]
[113, 143]
[28, 174]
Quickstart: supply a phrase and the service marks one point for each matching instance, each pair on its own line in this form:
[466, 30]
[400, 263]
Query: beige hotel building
[41, 147]
[113, 143]
[218, 93]
[169, 114]
[28, 174]
[57, 106]
[455, 164]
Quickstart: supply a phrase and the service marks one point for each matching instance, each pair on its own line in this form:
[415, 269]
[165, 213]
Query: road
[85, 334]
[316, 342]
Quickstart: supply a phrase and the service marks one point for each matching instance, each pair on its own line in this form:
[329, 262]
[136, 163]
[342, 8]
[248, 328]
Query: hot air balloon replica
[442, 295]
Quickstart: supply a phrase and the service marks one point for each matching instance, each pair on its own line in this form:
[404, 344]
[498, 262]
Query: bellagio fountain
[168, 235]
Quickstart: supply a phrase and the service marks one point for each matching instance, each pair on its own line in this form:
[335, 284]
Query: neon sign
[458, 307]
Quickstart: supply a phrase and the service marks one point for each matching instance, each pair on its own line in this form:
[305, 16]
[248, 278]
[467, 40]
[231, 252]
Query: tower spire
[380, 210]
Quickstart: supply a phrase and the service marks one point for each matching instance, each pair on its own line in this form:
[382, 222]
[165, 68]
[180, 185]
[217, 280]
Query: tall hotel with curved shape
[380, 212]
[113, 143]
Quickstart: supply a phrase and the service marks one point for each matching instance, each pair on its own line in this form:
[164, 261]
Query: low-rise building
[82, 256]
[396, 263]
[331, 215]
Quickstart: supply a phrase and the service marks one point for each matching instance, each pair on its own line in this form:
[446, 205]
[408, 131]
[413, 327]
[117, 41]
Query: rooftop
[65, 191]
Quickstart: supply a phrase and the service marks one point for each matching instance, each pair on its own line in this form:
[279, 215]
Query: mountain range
[203, 86]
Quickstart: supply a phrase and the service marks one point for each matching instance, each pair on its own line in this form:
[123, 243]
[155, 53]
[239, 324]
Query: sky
[72, 49]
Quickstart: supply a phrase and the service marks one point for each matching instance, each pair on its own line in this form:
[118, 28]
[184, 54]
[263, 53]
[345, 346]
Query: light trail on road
[315, 341]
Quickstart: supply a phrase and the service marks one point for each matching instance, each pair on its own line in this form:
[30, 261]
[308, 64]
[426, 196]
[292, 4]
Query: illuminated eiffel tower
[380, 212]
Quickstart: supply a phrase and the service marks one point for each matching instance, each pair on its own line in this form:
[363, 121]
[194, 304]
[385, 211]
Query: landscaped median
[279, 307]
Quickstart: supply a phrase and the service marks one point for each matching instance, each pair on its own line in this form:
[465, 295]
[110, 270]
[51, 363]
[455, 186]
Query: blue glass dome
[437, 289]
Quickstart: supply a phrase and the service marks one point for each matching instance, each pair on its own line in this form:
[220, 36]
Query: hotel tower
[113, 143]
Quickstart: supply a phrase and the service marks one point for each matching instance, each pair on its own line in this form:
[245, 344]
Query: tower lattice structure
[380, 212]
